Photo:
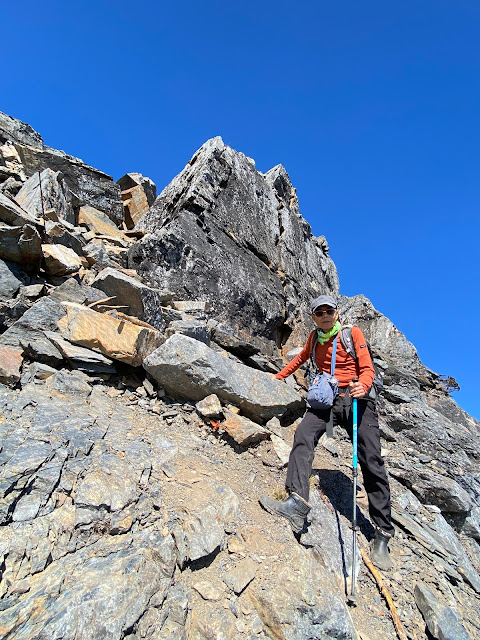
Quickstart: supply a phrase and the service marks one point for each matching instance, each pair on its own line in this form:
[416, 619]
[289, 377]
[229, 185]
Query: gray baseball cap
[327, 300]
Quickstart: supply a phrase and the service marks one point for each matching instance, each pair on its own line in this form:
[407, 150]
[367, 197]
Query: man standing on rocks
[355, 377]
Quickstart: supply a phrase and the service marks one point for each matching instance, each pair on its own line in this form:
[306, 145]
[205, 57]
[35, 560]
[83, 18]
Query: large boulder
[13, 214]
[21, 245]
[224, 233]
[186, 367]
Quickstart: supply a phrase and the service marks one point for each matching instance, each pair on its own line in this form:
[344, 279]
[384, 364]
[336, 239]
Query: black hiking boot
[294, 509]
[379, 552]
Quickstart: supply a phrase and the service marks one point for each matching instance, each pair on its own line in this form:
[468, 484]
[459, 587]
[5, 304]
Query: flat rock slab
[116, 338]
[188, 368]
[54, 194]
[97, 593]
[80, 357]
[27, 332]
[200, 529]
[98, 222]
[439, 618]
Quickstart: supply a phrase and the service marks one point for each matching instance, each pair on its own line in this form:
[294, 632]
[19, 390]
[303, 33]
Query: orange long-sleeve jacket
[346, 367]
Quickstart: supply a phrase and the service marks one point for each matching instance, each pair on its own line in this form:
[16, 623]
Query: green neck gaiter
[325, 337]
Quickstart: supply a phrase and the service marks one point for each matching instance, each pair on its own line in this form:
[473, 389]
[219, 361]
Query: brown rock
[12, 213]
[135, 205]
[115, 338]
[208, 591]
[243, 430]
[98, 222]
[10, 362]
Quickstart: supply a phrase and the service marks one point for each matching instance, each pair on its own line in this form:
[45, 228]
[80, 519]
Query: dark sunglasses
[319, 313]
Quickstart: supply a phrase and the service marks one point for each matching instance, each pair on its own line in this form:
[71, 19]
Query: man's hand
[356, 390]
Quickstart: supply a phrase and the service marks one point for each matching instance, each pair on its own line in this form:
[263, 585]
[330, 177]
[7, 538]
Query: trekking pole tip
[351, 600]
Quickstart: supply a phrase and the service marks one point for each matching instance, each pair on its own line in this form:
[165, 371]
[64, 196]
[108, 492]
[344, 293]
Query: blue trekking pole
[352, 598]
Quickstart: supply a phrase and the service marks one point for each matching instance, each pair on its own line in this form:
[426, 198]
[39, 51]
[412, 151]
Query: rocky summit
[140, 421]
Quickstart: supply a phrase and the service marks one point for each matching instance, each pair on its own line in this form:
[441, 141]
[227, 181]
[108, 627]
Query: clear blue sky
[372, 107]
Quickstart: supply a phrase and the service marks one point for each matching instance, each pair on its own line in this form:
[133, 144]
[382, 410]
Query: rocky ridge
[139, 423]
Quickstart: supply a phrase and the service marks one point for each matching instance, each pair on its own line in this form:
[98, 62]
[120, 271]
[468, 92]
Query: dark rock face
[17, 131]
[224, 233]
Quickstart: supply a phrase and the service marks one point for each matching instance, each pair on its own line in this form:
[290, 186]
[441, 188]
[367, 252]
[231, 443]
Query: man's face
[325, 317]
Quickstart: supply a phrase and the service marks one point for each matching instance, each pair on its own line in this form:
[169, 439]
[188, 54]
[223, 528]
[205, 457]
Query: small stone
[282, 449]
[209, 407]
[232, 408]
[149, 388]
[190, 306]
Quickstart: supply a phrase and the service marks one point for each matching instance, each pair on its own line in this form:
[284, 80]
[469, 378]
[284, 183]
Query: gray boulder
[186, 367]
[13, 214]
[21, 245]
[28, 332]
[382, 334]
